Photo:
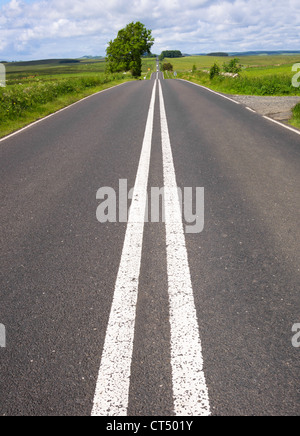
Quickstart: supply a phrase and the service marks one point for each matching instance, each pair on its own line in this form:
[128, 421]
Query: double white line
[189, 387]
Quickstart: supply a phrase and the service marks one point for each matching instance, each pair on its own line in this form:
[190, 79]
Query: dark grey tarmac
[59, 265]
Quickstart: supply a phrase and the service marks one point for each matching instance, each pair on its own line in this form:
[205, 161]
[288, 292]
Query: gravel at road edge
[278, 108]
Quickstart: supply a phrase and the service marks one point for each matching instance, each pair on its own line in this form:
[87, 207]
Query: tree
[170, 54]
[125, 52]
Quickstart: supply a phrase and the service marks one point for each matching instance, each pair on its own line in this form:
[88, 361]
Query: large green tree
[125, 52]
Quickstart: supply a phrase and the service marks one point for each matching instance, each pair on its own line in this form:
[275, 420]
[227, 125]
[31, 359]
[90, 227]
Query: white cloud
[66, 28]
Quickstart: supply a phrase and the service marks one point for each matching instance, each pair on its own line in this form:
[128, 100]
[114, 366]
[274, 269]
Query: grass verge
[20, 105]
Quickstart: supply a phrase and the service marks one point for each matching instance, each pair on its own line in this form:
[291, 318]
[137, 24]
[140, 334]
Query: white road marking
[111, 396]
[282, 125]
[189, 385]
[250, 109]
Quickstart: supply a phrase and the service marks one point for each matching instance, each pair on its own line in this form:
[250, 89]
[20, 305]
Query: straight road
[147, 319]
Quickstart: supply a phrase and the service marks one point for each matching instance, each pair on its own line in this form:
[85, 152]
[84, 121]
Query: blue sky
[36, 29]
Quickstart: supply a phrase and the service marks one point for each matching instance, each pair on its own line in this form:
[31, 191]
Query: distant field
[60, 68]
[57, 68]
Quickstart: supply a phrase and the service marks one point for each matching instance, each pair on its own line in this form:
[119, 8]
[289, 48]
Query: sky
[42, 29]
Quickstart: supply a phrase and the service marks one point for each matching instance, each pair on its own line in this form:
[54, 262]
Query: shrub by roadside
[295, 121]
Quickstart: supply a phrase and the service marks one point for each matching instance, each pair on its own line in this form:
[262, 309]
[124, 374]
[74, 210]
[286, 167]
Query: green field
[38, 88]
[260, 75]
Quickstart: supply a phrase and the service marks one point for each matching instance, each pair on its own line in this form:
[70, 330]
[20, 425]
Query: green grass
[37, 89]
[42, 69]
[295, 121]
[261, 75]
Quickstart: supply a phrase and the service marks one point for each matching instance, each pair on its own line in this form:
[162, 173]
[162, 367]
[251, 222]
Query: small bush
[297, 110]
[167, 67]
[296, 116]
[214, 71]
[233, 66]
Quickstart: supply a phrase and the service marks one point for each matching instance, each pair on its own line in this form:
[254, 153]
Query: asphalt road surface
[150, 318]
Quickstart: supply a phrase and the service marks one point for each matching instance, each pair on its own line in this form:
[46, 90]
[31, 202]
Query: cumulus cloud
[67, 28]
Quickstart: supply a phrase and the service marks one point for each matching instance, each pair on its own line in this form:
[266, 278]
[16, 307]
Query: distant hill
[220, 54]
[266, 53]
[92, 57]
[44, 62]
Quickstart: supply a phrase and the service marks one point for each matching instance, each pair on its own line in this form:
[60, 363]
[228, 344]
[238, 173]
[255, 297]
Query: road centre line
[190, 393]
[112, 389]
[189, 385]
